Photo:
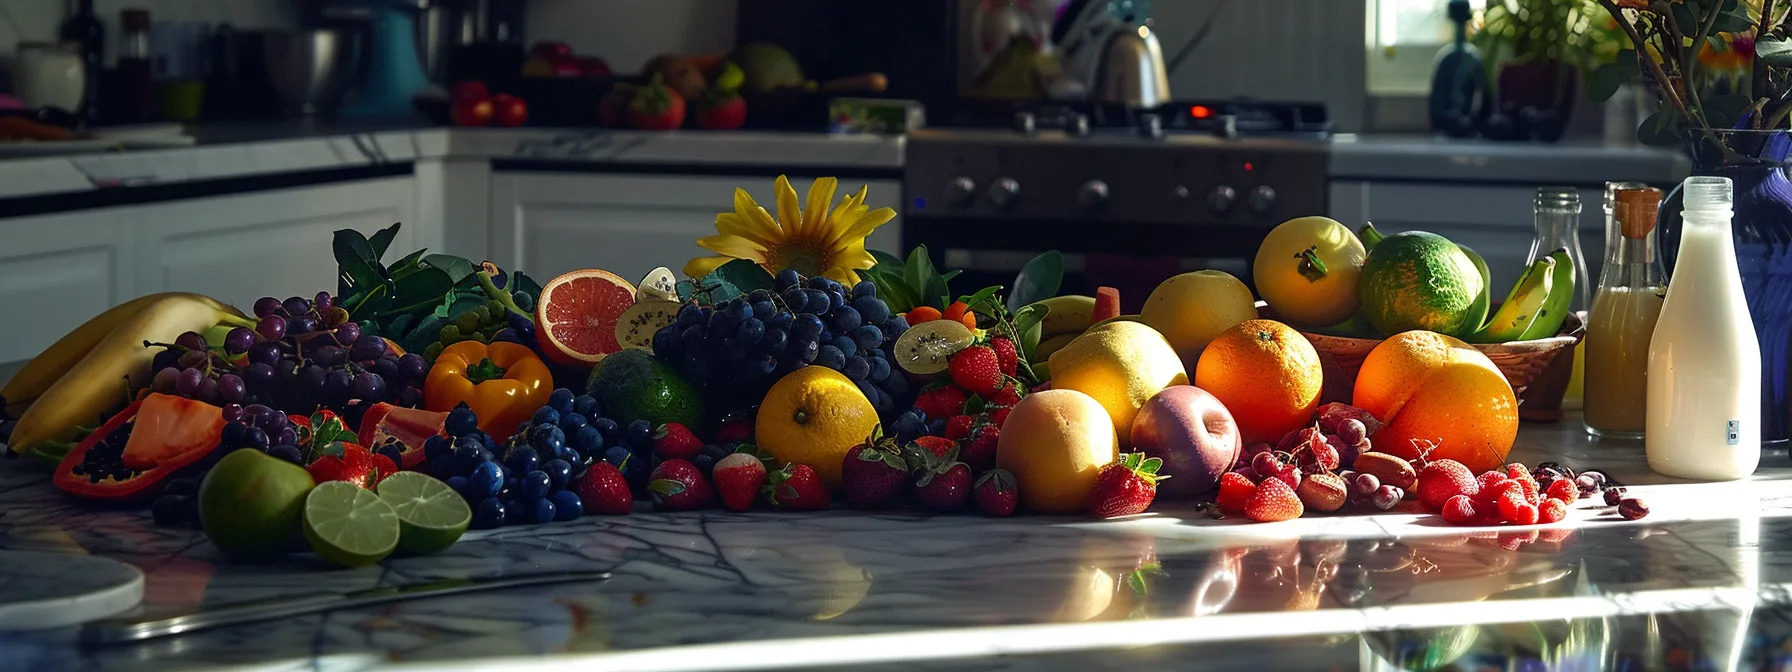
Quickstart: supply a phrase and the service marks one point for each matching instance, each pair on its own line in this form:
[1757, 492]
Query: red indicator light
[1200, 112]
[1248, 166]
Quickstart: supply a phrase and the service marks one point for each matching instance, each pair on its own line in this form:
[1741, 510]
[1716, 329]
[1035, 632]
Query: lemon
[431, 515]
[348, 525]
[813, 416]
[1120, 364]
[1307, 269]
[1192, 308]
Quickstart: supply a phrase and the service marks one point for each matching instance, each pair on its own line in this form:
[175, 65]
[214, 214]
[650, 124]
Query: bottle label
[1733, 433]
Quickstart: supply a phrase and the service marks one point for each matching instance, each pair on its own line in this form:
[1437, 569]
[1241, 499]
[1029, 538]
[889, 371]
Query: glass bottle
[134, 81]
[84, 29]
[1556, 222]
[1622, 320]
[1704, 401]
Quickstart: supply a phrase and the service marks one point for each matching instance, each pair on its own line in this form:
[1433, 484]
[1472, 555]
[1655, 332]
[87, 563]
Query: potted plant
[1537, 52]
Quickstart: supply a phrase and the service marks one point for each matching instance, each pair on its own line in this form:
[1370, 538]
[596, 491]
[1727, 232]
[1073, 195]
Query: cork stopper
[1636, 210]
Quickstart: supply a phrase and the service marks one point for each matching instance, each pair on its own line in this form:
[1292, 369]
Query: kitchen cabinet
[550, 223]
[58, 270]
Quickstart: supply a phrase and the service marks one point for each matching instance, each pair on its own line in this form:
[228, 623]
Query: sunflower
[813, 240]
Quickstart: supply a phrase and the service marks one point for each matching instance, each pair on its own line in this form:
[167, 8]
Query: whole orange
[1440, 396]
[1266, 374]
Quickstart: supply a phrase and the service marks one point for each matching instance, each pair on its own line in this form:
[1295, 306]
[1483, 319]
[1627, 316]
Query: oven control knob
[1221, 199]
[1003, 192]
[1180, 192]
[961, 190]
[1262, 199]
[1151, 125]
[1024, 123]
[1092, 194]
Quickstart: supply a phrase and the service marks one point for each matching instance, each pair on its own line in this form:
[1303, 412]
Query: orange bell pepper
[504, 384]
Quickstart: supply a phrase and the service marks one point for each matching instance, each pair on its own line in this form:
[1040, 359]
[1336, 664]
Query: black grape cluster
[737, 348]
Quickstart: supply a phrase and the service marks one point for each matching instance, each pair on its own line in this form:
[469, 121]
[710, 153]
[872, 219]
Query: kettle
[1131, 70]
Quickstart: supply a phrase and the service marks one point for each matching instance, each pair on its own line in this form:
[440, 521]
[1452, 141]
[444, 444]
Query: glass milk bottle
[1556, 218]
[1704, 400]
[1622, 320]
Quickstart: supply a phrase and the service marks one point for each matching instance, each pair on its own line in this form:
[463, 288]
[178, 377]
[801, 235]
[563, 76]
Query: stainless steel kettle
[1131, 70]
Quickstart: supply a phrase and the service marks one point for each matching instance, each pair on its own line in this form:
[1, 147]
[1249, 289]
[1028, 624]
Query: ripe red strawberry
[1442, 479]
[1000, 417]
[944, 483]
[1553, 510]
[996, 493]
[796, 487]
[942, 402]
[674, 441]
[1489, 480]
[1459, 510]
[738, 478]
[677, 485]
[1126, 487]
[1007, 357]
[1273, 501]
[873, 473]
[980, 451]
[1235, 491]
[977, 370]
[342, 461]
[382, 467]
[656, 107]
[1524, 514]
[934, 445]
[1517, 470]
[958, 427]
[1532, 493]
[721, 112]
[603, 490]
[1510, 502]
[1564, 490]
[1009, 395]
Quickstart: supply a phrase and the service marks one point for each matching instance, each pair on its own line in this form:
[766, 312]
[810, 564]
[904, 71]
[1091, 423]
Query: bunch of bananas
[1537, 305]
[77, 380]
[1067, 317]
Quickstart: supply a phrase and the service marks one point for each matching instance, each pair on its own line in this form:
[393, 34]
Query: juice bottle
[1623, 317]
[1704, 399]
[1556, 226]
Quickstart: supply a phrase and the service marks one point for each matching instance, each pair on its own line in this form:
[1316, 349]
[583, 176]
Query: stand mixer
[393, 70]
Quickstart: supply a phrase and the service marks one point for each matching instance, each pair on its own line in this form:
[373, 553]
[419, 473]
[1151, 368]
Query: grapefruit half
[576, 316]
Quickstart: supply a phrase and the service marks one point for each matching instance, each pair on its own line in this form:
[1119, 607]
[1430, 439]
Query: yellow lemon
[1120, 364]
[1056, 442]
[813, 416]
[1192, 308]
[1307, 269]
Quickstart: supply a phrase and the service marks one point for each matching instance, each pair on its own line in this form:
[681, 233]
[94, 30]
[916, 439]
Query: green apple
[251, 504]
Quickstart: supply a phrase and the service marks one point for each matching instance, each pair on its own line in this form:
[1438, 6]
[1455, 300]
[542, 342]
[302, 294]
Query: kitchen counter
[1438, 159]
[1705, 581]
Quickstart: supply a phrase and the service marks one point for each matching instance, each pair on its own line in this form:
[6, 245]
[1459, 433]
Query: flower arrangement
[811, 238]
[1716, 65]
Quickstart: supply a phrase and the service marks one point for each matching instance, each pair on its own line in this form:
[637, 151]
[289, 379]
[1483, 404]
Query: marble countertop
[1704, 582]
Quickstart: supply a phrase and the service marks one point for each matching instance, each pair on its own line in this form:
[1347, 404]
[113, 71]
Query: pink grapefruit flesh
[576, 316]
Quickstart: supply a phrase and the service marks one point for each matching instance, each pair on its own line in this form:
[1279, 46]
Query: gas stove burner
[1223, 118]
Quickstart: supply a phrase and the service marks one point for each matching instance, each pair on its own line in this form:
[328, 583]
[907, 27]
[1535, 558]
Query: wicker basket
[1538, 370]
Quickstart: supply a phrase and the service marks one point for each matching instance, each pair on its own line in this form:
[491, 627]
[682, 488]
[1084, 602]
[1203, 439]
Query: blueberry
[880, 369]
[846, 345]
[750, 331]
[436, 446]
[857, 369]
[868, 337]
[547, 439]
[523, 459]
[487, 479]
[640, 435]
[586, 405]
[571, 422]
[534, 484]
[871, 309]
[459, 484]
[489, 514]
[617, 456]
[787, 278]
[545, 415]
[567, 505]
[590, 441]
[704, 462]
[542, 510]
[831, 357]
[561, 400]
[558, 472]
[795, 299]
[516, 512]
[460, 421]
[467, 455]
[864, 290]
[392, 452]
[608, 428]
[819, 303]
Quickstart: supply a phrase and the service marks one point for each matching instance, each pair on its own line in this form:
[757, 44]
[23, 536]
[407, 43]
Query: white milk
[1704, 400]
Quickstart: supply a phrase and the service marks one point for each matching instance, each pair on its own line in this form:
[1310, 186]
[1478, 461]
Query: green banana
[1477, 311]
[1522, 304]
[1067, 314]
[1561, 293]
[1369, 236]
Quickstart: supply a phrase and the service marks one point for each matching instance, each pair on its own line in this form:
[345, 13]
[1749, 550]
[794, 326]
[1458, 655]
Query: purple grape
[260, 374]
[231, 388]
[190, 341]
[265, 352]
[187, 382]
[272, 327]
[193, 358]
[311, 378]
[387, 367]
[367, 348]
[336, 384]
[370, 387]
[253, 413]
[208, 390]
[329, 355]
[164, 380]
[286, 451]
[347, 333]
[296, 306]
[286, 436]
[334, 316]
[412, 367]
[303, 324]
[239, 340]
[233, 413]
[411, 397]
[254, 436]
[322, 302]
[266, 306]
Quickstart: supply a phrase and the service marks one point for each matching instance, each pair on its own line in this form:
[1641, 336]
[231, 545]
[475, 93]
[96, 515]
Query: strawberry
[1517, 470]
[603, 490]
[1532, 493]
[1509, 504]
[738, 478]
[1235, 491]
[942, 402]
[382, 467]
[980, 450]
[1553, 510]
[958, 427]
[674, 441]
[1524, 514]
[873, 473]
[796, 487]
[341, 461]
[944, 483]
[996, 493]
[1489, 480]
[718, 111]
[1273, 501]
[1126, 486]
[656, 108]
[977, 370]
[934, 445]
[1459, 510]
[677, 485]
[1007, 357]
[1442, 479]
[1564, 490]
[610, 109]
[1008, 396]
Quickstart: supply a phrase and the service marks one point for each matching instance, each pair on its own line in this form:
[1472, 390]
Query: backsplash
[37, 20]
[626, 34]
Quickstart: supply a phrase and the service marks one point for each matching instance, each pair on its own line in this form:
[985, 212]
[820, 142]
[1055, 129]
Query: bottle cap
[1636, 210]
[1612, 189]
[1558, 198]
[1704, 193]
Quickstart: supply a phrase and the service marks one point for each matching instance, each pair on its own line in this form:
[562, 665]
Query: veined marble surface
[1705, 582]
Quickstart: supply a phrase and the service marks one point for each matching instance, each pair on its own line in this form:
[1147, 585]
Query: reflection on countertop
[1701, 584]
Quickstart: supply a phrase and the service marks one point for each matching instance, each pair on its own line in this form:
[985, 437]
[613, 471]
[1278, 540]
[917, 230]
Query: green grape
[450, 334]
[434, 350]
[467, 321]
[523, 300]
[483, 314]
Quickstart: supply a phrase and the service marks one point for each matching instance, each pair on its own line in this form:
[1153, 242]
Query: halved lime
[431, 515]
[926, 347]
[349, 525]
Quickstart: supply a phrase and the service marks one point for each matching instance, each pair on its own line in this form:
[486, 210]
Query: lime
[431, 515]
[1418, 280]
[349, 525]
[631, 385]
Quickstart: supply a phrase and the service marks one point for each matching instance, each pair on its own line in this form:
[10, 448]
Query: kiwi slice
[635, 327]
[658, 285]
[925, 347]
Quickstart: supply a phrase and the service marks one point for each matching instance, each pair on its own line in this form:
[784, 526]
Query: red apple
[471, 112]
[1193, 433]
[510, 110]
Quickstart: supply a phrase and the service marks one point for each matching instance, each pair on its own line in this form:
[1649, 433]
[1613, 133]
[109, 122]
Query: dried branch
[1667, 86]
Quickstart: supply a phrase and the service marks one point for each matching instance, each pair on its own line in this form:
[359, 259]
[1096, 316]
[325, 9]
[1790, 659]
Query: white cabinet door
[269, 243]
[58, 270]
[550, 223]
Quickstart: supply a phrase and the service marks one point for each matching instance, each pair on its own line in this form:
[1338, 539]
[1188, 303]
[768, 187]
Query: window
[1403, 39]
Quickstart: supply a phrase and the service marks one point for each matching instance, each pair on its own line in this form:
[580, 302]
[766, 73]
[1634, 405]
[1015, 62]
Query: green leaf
[1030, 315]
[1039, 279]
[463, 302]
[744, 275]
[919, 274]
[1027, 322]
[886, 259]
[410, 263]
[1774, 50]
[358, 269]
[1723, 111]
[457, 268]
[891, 289]
[427, 331]
[1686, 18]
[1604, 81]
[1732, 21]
[525, 284]
[421, 291]
[1661, 129]
[982, 295]
[686, 290]
[382, 239]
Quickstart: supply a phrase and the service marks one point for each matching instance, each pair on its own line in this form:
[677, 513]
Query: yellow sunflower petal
[701, 266]
[815, 214]
[843, 276]
[788, 213]
[858, 229]
[755, 216]
[732, 224]
[848, 204]
[854, 256]
[733, 246]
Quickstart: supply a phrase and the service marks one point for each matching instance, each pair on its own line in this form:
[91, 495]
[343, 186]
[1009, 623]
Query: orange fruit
[921, 314]
[1431, 388]
[1056, 442]
[576, 316]
[1266, 374]
[813, 416]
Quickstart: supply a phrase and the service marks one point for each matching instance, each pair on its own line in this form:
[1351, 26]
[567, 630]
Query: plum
[1193, 433]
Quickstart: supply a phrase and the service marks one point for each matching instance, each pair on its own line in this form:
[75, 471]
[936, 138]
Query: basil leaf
[457, 268]
[382, 239]
[420, 291]
[358, 270]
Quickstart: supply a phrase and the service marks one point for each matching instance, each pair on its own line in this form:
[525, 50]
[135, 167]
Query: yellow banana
[97, 384]
[1522, 305]
[1069, 314]
[43, 370]
[1049, 346]
[1561, 293]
